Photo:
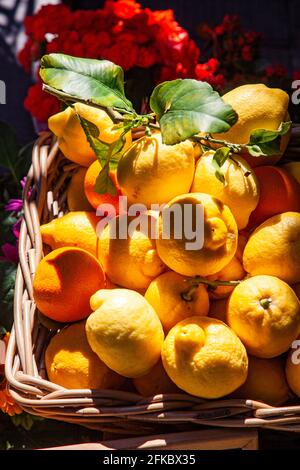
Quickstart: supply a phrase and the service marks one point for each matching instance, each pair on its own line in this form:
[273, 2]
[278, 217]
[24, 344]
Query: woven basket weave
[45, 199]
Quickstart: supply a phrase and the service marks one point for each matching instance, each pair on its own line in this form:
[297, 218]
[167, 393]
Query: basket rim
[24, 365]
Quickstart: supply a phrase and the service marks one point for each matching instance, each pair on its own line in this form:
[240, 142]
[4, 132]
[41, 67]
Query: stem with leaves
[197, 280]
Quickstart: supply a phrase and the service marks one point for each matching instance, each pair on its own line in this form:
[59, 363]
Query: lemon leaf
[99, 82]
[221, 155]
[264, 142]
[104, 183]
[186, 107]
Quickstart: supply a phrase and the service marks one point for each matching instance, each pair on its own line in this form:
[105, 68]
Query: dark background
[277, 20]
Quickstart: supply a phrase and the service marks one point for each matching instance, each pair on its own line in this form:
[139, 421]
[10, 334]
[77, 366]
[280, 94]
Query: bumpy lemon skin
[274, 248]
[151, 172]
[130, 262]
[125, 332]
[240, 191]
[220, 237]
[265, 314]
[204, 357]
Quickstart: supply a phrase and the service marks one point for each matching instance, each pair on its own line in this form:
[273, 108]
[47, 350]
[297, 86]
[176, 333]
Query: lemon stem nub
[190, 337]
[265, 303]
[188, 295]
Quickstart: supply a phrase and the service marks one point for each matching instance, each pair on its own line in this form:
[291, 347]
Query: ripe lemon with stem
[240, 190]
[265, 314]
[170, 296]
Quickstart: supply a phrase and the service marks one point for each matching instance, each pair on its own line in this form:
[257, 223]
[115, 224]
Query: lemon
[76, 228]
[274, 248]
[71, 137]
[240, 192]
[125, 332]
[292, 369]
[155, 382]
[151, 172]
[130, 262]
[204, 357]
[167, 293]
[71, 363]
[258, 107]
[265, 382]
[219, 229]
[265, 314]
[293, 168]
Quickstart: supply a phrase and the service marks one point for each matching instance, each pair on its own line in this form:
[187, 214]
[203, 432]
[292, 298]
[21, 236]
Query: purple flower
[16, 228]
[10, 253]
[14, 205]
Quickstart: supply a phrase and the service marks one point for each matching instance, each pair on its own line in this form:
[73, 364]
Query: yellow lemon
[233, 271]
[294, 169]
[258, 107]
[172, 298]
[265, 314]
[125, 332]
[204, 357]
[71, 363]
[130, 262]
[240, 192]
[77, 200]
[73, 229]
[265, 382]
[292, 368]
[219, 230]
[71, 137]
[151, 172]
[217, 309]
[155, 382]
[274, 248]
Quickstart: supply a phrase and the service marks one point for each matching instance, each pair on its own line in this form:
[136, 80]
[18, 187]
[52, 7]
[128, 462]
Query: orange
[94, 198]
[76, 197]
[73, 229]
[156, 381]
[71, 363]
[265, 382]
[279, 192]
[64, 282]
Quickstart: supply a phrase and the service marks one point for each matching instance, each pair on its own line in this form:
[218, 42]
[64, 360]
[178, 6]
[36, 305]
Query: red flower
[123, 54]
[247, 54]
[296, 75]
[146, 57]
[276, 70]
[123, 8]
[206, 73]
[40, 104]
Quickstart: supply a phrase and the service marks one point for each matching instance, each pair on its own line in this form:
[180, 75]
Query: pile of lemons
[147, 313]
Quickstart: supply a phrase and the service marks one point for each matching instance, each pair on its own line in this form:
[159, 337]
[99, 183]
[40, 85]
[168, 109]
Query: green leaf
[96, 81]
[9, 149]
[264, 142]
[92, 132]
[7, 286]
[186, 107]
[218, 172]
[221, 155]
[104, 183]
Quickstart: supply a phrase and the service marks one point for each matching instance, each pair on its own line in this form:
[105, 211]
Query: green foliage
[265, 142]
[97, 81]
[186, 107]
[7, 285]
[219, 158]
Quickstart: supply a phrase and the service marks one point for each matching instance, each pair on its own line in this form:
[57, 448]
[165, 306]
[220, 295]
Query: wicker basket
[111, 410]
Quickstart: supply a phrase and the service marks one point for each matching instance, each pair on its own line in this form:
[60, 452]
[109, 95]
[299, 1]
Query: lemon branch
[197, 280]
